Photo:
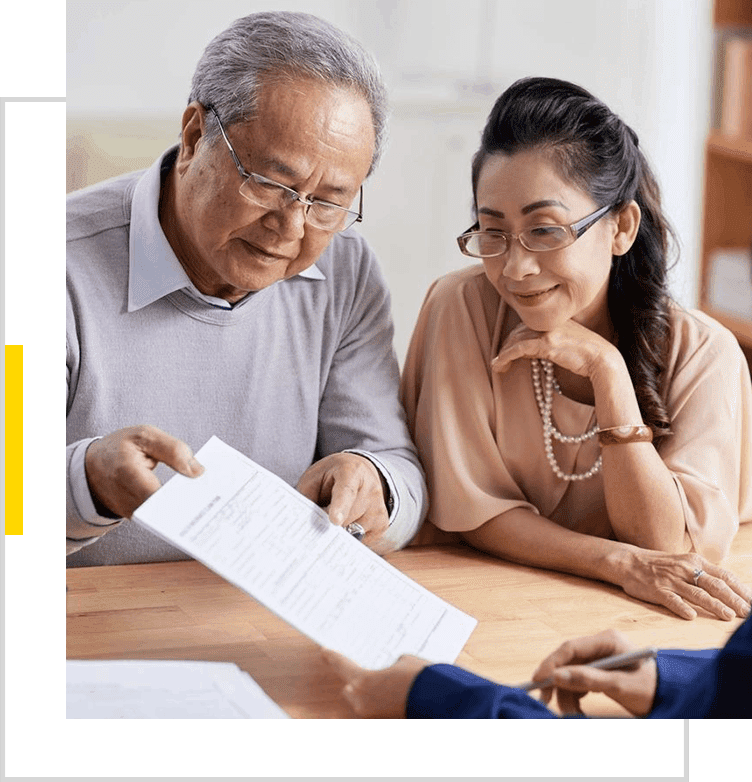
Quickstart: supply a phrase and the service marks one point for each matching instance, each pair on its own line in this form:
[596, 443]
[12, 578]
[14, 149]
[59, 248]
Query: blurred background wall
[445, 61]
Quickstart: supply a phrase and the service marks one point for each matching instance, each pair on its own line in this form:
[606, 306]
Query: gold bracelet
[620, 435]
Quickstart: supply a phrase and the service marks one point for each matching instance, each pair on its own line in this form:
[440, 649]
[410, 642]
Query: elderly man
[220, 292]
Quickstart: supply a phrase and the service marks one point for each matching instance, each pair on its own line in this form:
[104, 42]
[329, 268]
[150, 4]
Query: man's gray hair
[274, 44]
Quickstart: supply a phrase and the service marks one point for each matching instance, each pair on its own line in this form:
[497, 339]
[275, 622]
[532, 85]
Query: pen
[605, 663]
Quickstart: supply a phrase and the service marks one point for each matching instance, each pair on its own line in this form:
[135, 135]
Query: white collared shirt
[154, 269]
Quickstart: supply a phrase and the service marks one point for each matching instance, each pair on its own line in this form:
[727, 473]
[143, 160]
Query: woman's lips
[534, 298]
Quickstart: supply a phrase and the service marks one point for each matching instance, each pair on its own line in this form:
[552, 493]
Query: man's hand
[119, 466]
[349, 487]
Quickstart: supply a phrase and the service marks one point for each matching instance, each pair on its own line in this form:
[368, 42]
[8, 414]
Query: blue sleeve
[683, 680]
[448, 692]
[709, 683]
[702, 684]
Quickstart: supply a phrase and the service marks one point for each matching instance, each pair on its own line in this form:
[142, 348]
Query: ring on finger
[356, 530]
[696, 576]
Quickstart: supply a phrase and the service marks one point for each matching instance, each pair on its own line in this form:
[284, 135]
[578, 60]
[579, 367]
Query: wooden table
[183, 611]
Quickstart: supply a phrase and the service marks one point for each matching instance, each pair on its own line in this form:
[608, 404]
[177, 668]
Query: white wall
[444, 61]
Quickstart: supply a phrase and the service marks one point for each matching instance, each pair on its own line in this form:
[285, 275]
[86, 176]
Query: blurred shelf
[730, 146]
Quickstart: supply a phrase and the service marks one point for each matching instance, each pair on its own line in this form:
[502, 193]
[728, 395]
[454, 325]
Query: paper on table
[262, 535]
[156, 689]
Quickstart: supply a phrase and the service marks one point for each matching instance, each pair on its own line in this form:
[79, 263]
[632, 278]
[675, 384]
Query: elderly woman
[569, 415]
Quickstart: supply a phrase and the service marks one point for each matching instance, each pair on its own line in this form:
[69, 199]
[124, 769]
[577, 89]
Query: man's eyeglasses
[537, 239]
[273, 196]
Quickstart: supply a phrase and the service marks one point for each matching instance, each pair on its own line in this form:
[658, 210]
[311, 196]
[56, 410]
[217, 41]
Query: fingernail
[563, 676]
[196, 468]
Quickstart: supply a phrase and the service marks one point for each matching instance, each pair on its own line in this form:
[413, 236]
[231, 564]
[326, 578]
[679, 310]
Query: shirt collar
[154, 269]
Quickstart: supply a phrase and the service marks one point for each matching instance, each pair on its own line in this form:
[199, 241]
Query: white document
[262, 535]
[156, 689]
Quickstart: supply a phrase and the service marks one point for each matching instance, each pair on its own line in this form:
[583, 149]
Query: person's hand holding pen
[572, 678]
[572, 670]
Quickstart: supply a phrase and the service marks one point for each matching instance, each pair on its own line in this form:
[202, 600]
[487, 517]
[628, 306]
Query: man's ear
[627, 225]
[193, 127]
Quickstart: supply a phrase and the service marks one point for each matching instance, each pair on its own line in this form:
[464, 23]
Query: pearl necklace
[544, 397]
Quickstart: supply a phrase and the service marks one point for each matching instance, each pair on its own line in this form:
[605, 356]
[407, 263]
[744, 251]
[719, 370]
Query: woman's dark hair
[599, 153]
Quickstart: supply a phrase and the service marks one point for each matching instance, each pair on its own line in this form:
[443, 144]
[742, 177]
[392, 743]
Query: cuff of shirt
[83, 523]
[392, 501]
[448, 692]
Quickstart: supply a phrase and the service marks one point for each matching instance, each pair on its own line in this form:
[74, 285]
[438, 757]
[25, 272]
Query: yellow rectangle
[14, 439]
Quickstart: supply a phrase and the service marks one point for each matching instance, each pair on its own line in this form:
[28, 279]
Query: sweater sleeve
[360, 409]
[83, 524]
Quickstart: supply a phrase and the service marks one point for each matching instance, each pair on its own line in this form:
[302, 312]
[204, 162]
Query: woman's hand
[376, 694]
[571, 346]
[633, 688]
[669, 580]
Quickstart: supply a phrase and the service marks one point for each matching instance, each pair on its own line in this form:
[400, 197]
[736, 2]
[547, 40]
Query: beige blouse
[480, 437]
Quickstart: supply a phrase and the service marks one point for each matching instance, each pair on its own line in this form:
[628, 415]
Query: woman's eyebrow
[542, 204]
[484, 210]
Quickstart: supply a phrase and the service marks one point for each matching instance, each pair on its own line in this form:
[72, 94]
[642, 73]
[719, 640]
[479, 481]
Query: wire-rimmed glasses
[537, 238]
[273, 196]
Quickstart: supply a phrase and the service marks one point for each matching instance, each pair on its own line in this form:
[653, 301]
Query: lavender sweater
[294, 372]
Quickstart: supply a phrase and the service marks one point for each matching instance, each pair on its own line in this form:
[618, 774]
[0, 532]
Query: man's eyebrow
[525, 209]
[277, 166]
